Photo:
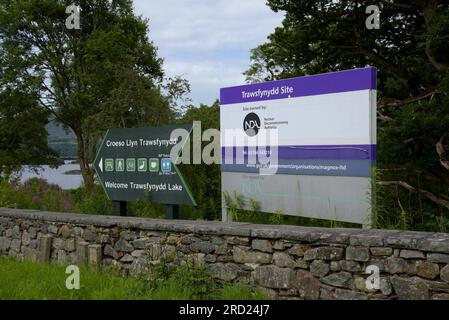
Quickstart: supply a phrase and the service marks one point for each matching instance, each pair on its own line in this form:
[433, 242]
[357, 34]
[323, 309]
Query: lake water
[55, 175]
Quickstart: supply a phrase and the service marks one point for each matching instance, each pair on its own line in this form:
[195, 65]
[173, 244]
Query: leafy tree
[23, 138]
[106, 74]
[411, 53]
[204, 180]
[177, 89]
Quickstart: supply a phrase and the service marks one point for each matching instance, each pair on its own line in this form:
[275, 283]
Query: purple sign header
[333, 82]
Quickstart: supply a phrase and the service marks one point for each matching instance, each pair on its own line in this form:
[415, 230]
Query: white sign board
[323, 150]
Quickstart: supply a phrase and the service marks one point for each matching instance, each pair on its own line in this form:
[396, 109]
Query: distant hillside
[61, 140]
[57, 133]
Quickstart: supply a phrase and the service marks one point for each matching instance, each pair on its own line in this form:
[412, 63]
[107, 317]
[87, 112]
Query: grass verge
[36, 281]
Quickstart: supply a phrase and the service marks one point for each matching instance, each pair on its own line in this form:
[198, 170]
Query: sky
[207, 42]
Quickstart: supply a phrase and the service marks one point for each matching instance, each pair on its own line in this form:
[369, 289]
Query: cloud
[207, 41]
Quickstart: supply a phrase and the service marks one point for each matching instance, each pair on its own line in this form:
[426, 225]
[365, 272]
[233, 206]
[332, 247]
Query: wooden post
[81, 252]
[171, 211]
[120, 208]
[94, 256]
[45, 243]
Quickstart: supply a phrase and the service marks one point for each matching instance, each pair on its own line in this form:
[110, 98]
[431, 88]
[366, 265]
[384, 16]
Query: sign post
[135, 164]
[320, 165]
[120, 208]
[171, 211]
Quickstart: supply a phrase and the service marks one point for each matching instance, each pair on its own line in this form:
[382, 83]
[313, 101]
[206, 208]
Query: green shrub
[36, 281]
[34, 194]
[146, 209]
[92, 201]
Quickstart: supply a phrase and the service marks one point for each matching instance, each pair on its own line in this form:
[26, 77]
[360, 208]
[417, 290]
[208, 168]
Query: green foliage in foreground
[37, 194]
[33, 281]
[239, 212]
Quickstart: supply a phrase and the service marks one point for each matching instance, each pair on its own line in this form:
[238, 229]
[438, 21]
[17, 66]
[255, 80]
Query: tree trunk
[86, 171]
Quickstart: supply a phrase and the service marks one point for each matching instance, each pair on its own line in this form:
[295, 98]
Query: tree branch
[425, 193]
[408, 100]
[383, 117]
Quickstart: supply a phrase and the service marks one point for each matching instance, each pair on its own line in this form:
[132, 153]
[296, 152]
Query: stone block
[427, 270]
[127, 258]
[224, 271]
[319, 268]
[397, 265]
[357, 253]
[341, 294]
[341, 279]
[308, 286]
[69, 245]
[335, 266]
[5, 243]
[444, 274]
[283, 260]
[202, 246]
[412, 254]
[52, 229]
[262, 245]
[324, 253]
[15, 245]
[381, 251]
[26, 238]
[81, 252]
[298, 250]
[274, 277]
[351, 266]
[124, 246]
[247, 256]
[62, 257]
[438, 257]
[95, 256]
[45, 243]
[58, 243]
[65, 231]
[141, 243]
[128, 235]
[410, 288]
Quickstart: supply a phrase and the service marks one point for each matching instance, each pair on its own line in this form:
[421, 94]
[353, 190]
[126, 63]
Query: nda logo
[251, 124]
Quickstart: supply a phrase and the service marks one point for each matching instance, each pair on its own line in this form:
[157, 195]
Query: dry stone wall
[287, 262]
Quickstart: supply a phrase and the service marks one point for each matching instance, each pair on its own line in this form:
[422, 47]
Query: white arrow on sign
[100, 164]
